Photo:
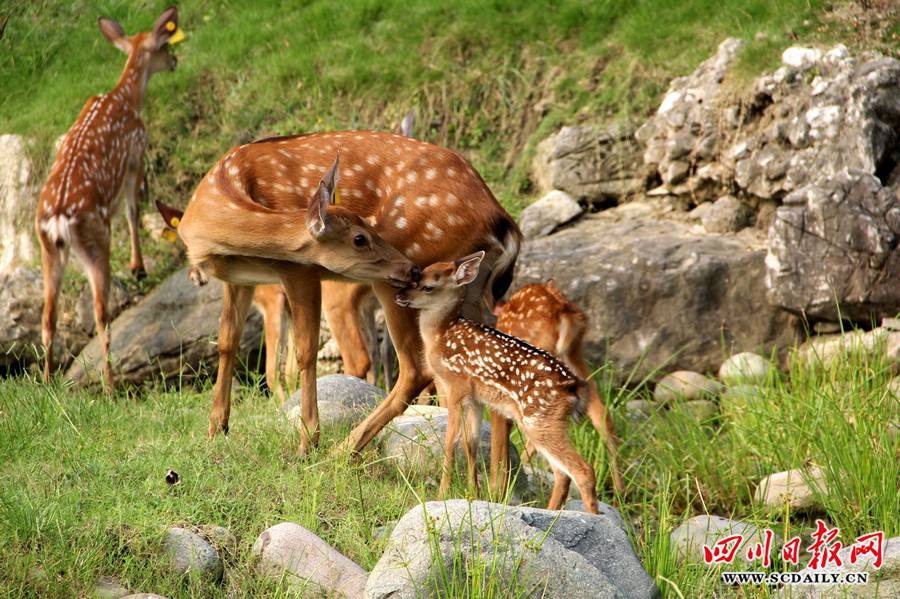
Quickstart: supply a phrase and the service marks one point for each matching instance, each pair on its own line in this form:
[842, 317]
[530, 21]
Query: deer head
[147, 48]
[441, 287]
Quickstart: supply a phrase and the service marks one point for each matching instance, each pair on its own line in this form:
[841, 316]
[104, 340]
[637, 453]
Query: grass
[82, 491]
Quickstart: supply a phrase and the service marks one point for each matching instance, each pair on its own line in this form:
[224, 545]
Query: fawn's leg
[53, 264]
[235, 306]
[404, 329]
[500, 429]
[304, 294]
[134, 188]
[269, 300]
[551, 440]
[90, 241]
[560, 490]
[454, 411]
[472, 432]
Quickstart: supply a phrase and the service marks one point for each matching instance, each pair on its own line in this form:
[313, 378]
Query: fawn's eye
[360, 240]
[427, 288]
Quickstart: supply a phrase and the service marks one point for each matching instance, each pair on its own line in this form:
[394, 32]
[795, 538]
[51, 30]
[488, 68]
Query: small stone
[684, 385]
[700, 410]
[289, 551]
[689, 538]
[801, 58]
[144, 596]
[638, 410]
[737, 400]
[792, 487]
[891, 324]
[220, 537]
[826, 328]
[745, 367]
[726, 215]
[189, 552]
[554, 209]
[109, 588]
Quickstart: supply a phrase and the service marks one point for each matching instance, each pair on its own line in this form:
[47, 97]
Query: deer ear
[112, 31]
[326, 194]
[406, 125]
[165, 30]
[467, 268]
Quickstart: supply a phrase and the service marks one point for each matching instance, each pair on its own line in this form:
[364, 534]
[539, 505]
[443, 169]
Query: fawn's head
[347, 244]
[152, 46]
[442, 285]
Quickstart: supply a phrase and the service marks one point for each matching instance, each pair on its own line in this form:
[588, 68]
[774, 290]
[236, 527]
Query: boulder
[542, 217]
[290, 552]
[684, 385]
[745, 367]
[796, 488]
[658, 295]
[189, 553]
[562, 554]
[18, 202]
[415, 441]
[726, 215]
[576, 505]
[170, 333]
[592, 164]
[883, 582]
[341, 399]
[688, 539]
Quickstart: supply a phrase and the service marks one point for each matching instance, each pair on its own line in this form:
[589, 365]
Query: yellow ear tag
[178, 36]
[337, 196]
[174, 222]
[169, 235]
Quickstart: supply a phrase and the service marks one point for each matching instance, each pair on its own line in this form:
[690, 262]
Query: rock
[109, 588]
[684, 385]
[591, 164]
[701, 410]
[19, 190]
[885, 579]
[341, 398]
[726, 215]
[414, 441]
[170, 333]
[745, 367]
[144, 596]
[84, 310]
[638, 410]
[825, 349]
[564, 554]
[657, 295]
[289, 551]
[576, 505]
[554, 209]
[793, 487]
[688, 539]
[219, 537]
[379, 533]
[190, 553]
[801, 59]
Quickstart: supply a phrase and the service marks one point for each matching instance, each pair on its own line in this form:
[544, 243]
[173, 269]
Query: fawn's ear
[405, 128]
[112, 31]
[165, 30]
[326, 194]
[467, 268]
[170, 214]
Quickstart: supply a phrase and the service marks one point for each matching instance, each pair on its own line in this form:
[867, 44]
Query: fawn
[542, 315]
[100, 160]
[476, 364]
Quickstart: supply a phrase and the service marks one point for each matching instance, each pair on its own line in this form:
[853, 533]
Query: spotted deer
[100, 161]
[242, 226]
[542, 315]
[476, 365]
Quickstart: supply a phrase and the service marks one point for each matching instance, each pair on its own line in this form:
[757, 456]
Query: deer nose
[415, 273]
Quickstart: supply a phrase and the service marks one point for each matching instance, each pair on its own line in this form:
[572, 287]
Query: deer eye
[360, 240]
[427, 288]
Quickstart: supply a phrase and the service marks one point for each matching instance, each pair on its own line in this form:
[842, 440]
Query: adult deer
[477, 365]
[542, 315]
[99, 161]
[242, 226]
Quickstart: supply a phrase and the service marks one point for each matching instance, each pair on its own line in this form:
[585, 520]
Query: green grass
[82, 491]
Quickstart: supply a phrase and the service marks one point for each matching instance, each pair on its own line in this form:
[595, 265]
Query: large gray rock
[291, 552]
[689, 538]
[341, 399]
[658, 295]
[18, 195]
[170, 333]
[553, 554]
[415, 441]
[883, 582]
[189, 553]
[591, 164]
[554, 209]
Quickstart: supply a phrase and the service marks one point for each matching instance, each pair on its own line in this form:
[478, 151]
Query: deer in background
[542, 315]
[99, 161]
[476, 365]
[242, 226]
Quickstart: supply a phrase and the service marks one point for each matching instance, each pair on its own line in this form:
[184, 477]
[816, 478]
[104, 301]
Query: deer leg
[560, 491]
[553, 443]
[472, 432]
[340, 302]
[500, 429]
[388, 359]
[53, 264]
[135, 189]
[98, 276]
[454, 405]
[403, 326]
[269, 300]
[304, 294]
[235, 306]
